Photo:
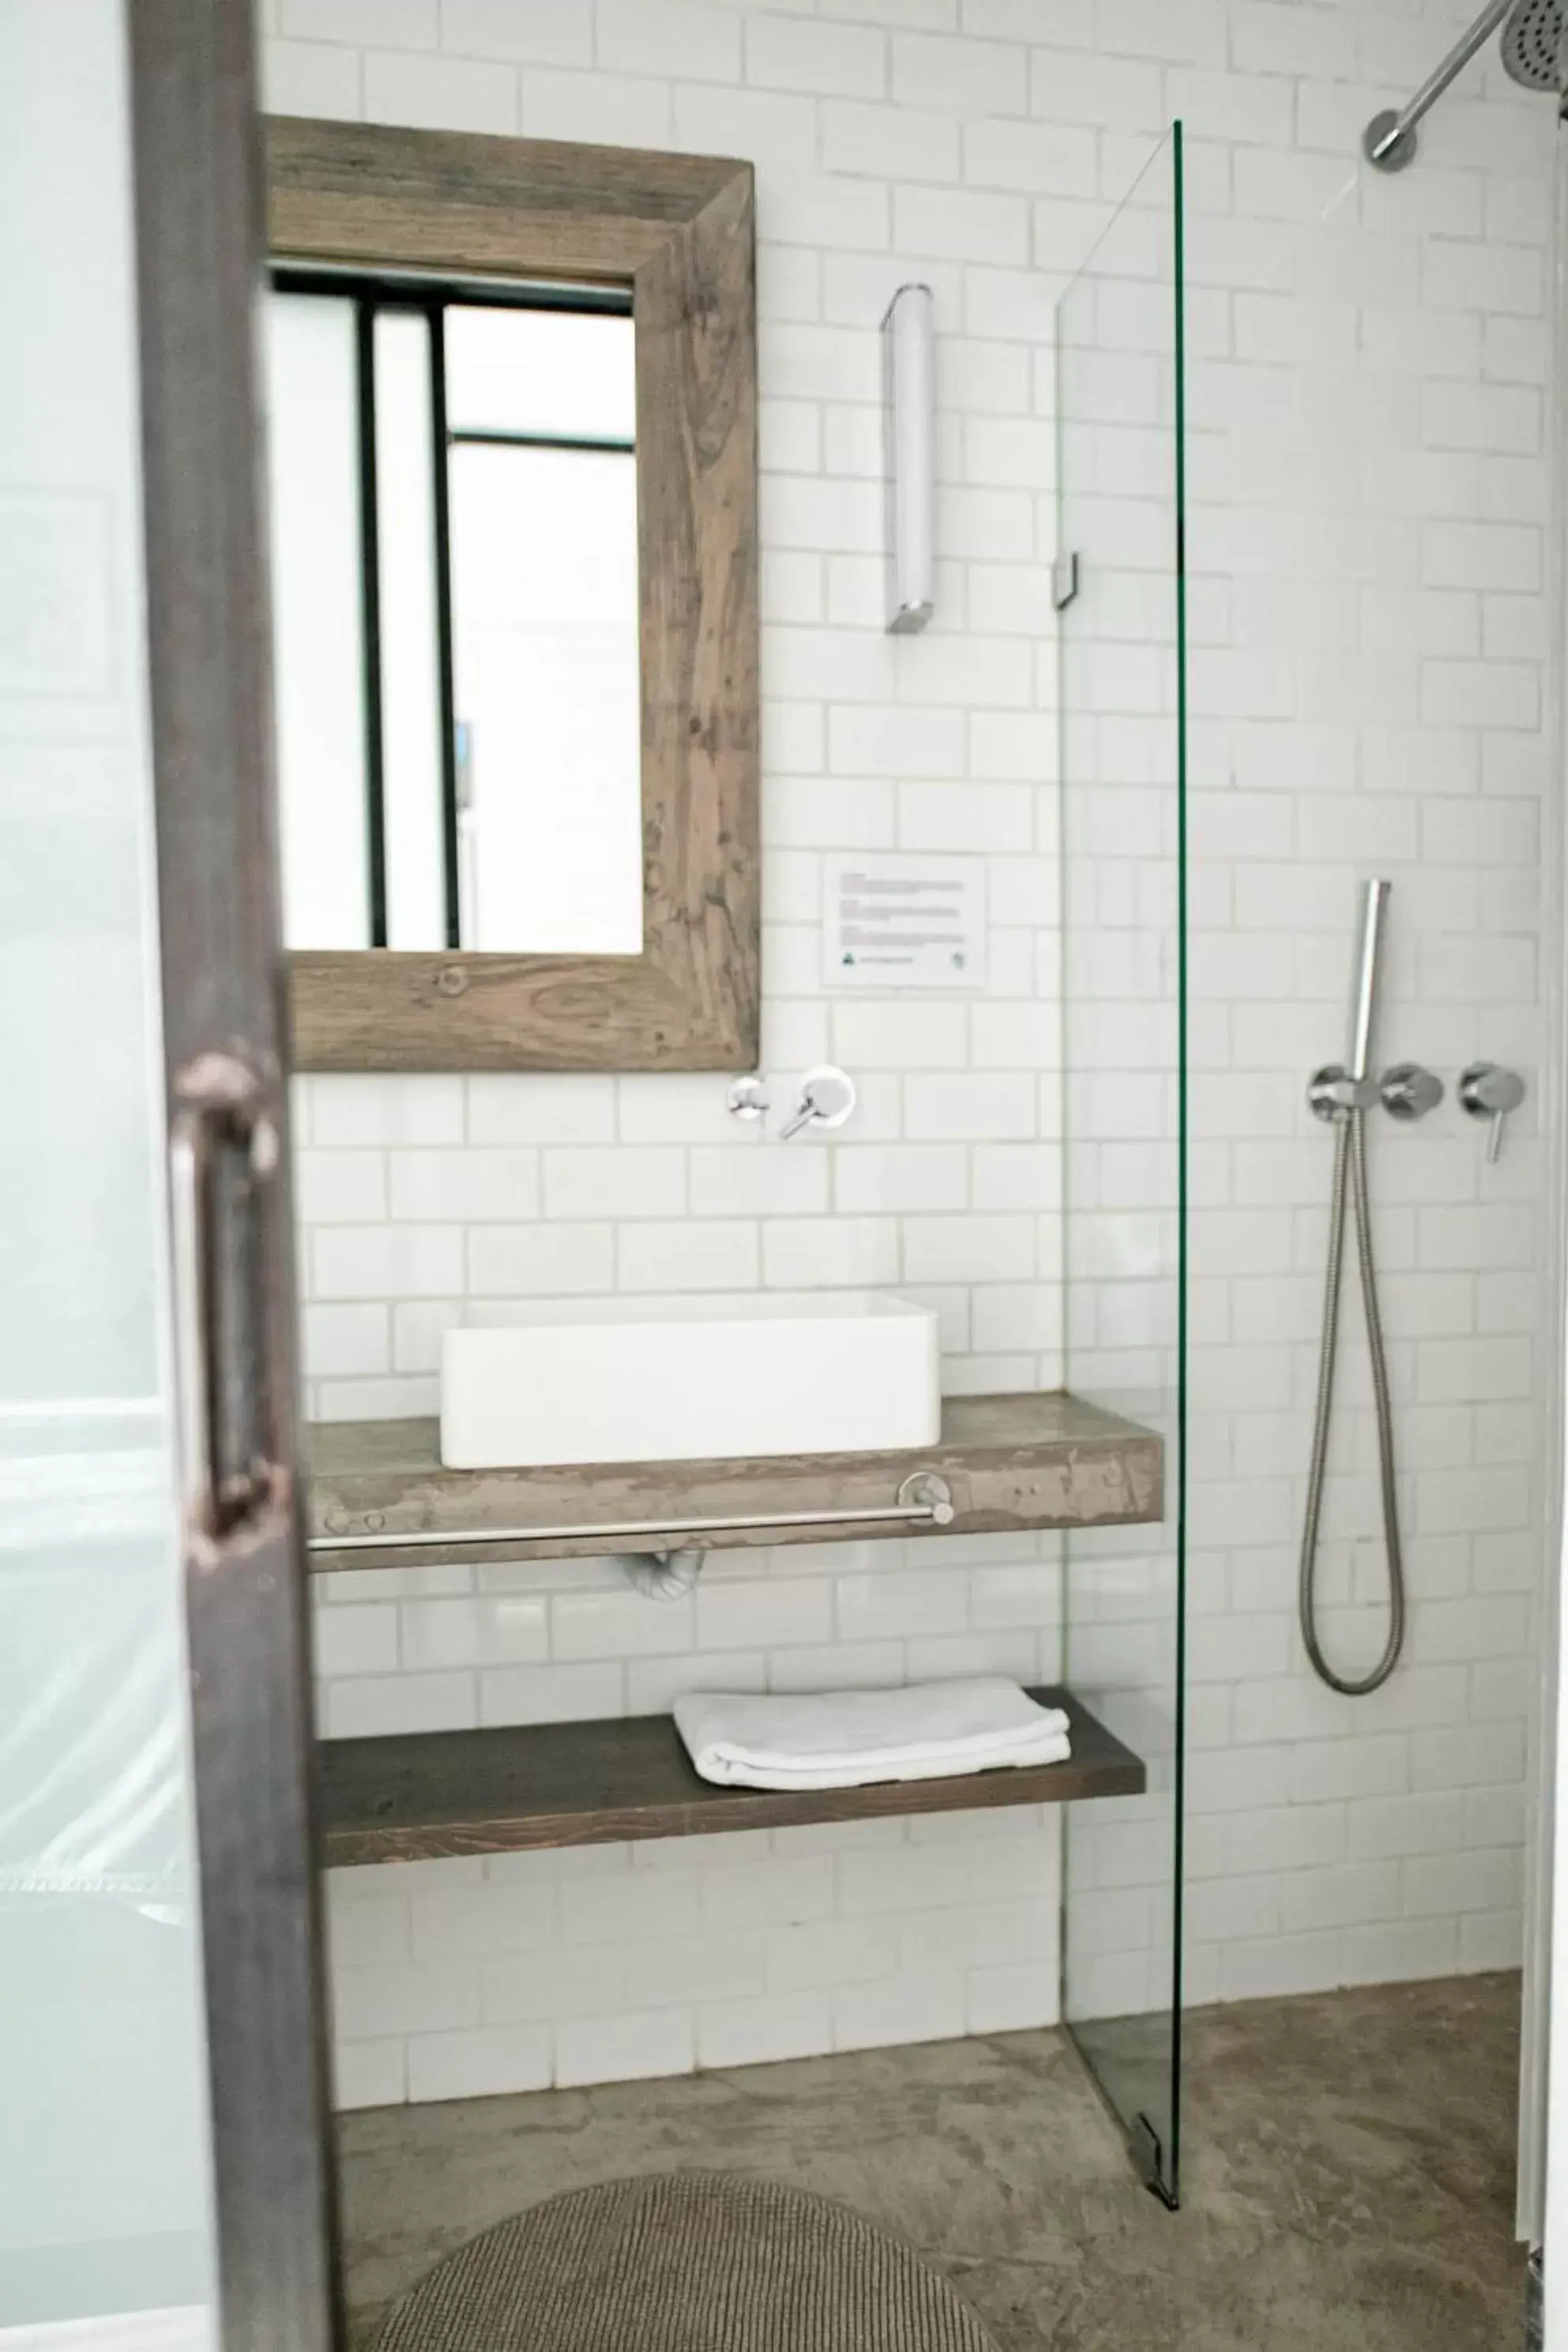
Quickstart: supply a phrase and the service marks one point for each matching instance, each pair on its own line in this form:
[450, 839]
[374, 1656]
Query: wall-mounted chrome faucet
[1488, 1091]
[827, 1098]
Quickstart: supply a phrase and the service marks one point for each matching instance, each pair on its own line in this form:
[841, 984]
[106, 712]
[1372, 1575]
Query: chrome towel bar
[924, 1499]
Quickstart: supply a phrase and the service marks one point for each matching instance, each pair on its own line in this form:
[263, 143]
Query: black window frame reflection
[371, 296]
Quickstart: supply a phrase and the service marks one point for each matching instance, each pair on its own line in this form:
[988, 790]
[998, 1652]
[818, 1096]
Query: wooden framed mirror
[584, 573]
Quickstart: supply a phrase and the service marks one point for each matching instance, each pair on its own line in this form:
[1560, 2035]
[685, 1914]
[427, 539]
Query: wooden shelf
[421, 1795]
[1014, 1464]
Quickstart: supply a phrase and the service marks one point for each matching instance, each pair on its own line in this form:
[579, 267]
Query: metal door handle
[222, 1109]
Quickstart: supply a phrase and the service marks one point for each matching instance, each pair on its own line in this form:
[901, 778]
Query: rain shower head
[1533, 44]
[1534, 51]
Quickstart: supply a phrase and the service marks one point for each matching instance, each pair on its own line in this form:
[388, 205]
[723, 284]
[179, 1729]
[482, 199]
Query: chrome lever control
[1488, 1091]
[828, 1097]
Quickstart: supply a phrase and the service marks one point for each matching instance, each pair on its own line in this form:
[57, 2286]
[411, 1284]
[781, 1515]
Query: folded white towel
[846, 1739]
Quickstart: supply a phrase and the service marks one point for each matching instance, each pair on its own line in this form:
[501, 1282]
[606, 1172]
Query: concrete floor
[1349, 2162]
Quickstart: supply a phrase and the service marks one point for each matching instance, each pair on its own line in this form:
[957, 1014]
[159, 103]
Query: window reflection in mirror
[454, 585]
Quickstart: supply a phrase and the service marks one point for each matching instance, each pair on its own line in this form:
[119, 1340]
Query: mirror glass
[454, 514]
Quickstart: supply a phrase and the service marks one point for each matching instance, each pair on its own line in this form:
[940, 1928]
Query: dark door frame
[200, 245]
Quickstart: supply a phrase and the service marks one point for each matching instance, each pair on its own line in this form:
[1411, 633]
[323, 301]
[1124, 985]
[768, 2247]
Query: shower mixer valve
[1406, 1090]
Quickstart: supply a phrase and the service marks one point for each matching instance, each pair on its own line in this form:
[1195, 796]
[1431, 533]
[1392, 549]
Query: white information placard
[896, 921]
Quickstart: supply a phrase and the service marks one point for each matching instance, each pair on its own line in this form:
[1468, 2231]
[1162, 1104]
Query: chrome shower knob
[1408, 1091]
[1488, 1091]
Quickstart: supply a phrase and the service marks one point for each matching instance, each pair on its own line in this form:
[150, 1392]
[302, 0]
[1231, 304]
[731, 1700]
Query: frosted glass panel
[544, 580]
[318, 638]
[410, 633]
[104, 2188]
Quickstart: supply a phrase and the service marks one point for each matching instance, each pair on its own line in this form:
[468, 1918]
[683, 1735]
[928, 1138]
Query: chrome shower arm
[1389, 141]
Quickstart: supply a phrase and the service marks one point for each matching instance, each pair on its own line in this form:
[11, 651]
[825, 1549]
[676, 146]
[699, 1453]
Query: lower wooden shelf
[419, 1796]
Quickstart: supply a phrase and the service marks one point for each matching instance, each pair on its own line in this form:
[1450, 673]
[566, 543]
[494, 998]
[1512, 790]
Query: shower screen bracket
[1065, 579]
[1149, 2155]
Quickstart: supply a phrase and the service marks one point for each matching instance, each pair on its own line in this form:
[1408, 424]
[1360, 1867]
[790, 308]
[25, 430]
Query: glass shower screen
[1119, 586]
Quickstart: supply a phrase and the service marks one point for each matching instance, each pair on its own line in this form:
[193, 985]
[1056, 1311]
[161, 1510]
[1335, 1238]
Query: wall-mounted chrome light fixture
[909, 455]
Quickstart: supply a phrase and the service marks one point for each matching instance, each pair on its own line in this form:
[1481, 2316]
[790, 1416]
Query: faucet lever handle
[828, 1096]
[1488, 1091]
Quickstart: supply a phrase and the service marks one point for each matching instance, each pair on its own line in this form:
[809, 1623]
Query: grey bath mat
[688, 2261]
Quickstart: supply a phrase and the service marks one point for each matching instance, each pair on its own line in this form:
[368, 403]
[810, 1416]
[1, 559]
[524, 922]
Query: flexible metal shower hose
[1349, 1181]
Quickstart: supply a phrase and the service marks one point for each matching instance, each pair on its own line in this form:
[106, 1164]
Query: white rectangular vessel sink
[664, 1380]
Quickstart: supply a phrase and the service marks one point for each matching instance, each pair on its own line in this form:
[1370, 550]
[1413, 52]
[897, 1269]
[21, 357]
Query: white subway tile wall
[1368, 465]
[1366, 696]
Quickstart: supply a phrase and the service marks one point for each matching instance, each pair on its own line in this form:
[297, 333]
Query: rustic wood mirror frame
[677, 229]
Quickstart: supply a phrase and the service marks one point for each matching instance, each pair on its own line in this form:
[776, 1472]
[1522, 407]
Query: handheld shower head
[1534, 45]
[1364, 990]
